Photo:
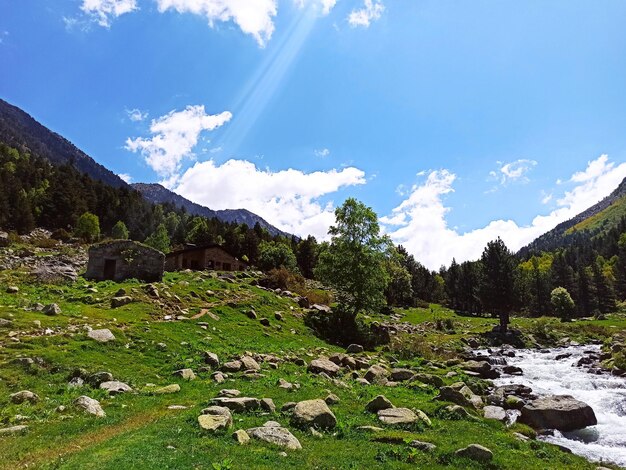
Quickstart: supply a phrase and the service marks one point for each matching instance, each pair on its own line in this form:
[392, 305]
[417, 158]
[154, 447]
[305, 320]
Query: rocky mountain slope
[593, 221]
[158, 194]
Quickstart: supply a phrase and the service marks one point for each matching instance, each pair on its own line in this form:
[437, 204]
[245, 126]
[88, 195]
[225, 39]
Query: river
[606, 394]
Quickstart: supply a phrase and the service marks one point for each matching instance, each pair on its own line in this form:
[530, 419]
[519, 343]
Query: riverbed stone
[562, 412]
[494, 412]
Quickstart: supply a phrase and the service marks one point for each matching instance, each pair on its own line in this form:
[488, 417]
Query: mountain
[19, 130]
[158, 194]
[596, 220]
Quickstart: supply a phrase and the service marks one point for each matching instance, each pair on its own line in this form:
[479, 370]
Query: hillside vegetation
[172, 325]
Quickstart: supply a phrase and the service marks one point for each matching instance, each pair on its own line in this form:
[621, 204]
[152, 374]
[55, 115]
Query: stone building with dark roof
[200, 258]
[117, 260]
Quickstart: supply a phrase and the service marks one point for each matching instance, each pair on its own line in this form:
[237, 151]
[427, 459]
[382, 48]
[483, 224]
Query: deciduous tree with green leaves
[88, 227]
[159, 239]
[119, 231]
[562, 303]
[354, 262]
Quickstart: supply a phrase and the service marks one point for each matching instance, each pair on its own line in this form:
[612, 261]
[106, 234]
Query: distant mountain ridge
[598, 218]
[158, 194]
[20, 130]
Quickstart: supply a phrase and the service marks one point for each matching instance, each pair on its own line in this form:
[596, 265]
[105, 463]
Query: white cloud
[104, 10]
[173, 138]
[419, 222]
[288, 199]
[321, 152]
[371, 11]
[136, 115]
[516, 171]
[254, 17]
[126, 177]
[327, 5]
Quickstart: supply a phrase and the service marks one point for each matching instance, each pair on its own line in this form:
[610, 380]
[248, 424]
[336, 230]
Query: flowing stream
[606, 394]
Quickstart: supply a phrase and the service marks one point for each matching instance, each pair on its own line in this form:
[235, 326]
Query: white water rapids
[606, 394]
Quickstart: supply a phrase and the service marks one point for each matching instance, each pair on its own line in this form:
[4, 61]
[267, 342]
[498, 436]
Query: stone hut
[124, 259]
[199, 258]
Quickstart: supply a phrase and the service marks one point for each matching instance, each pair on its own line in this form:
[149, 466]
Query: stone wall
[204, 258]
[124, 259]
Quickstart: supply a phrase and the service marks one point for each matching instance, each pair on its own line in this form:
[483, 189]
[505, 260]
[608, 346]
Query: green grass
[604, 219]
[139, 432]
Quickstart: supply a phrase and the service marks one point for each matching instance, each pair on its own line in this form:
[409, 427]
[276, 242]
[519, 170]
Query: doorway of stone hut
[109, 268]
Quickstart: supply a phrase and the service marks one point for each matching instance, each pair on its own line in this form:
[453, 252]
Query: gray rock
[114, 387]
[24, 396]
[172, 388]
[428, 379]
[475, 452]
[215, 418]
[318, 366]
[275, 435]
[90, 406]
[229, 393]
[13, 430]
[378, 403]
[232, 366]
[5, 323]
[457, 412]
[12, 290]
[101, 336]
[354, 349]
[400, 375]
[120, 301]
[313, 413]
[186, 374]
[211, 359]
[249, 363]
[332, 399]
[267, 404]
[238, 404]
[454, 396]
[241, 437]
[423, 446]
[397, 416]
[494, 412]
[377, 375]
[51, 309]
[561, 412]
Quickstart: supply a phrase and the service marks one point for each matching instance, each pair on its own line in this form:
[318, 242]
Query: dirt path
[84, 441]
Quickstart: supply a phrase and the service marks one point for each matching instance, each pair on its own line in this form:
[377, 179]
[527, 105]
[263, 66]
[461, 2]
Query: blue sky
[456, 121]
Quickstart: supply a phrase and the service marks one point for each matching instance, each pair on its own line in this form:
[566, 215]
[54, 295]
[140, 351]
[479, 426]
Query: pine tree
[159, 239]
[119, 231]
[497, 286]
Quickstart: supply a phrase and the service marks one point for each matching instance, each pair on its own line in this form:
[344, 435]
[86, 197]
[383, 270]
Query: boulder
[318, 366]
[211, 359]
[120, 301]
[241, 437]
[475, 452]
[400, 375]
[172, 388]
[275, 435]
[24, 396]
[378, 403]
[186, 374]
[13, 430]
[562, 412]
[313, 413]
[229, 393]
[12, 290]
[238, 404]
[428, 379]
[354, 349]
[90, 406]
[376, 375]
[232, 366]
[398, 416]
[114, 387]
[267, 404]
[481, 368]
[5, 323]
[454, 396]
[494, 412]
[51, 309]
[215, 418]
[250, 364]
[101, 336]
[423, 446]
[332, 399]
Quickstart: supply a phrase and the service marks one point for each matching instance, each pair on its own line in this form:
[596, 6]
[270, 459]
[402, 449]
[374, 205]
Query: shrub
[88, 227]
[61, 234]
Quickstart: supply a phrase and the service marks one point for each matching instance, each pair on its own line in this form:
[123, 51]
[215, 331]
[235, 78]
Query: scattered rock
[232, 366]
[428, 379]
[114, 387]
[475, 452]
[172, 388]
[211, 359]
[398, 416]
[423, 446]
[24, 396]
[370, 429]
[354, 349]
[494, 412]
[313, 413]
[401, 375]
[318, 366]
[282, 383]
[13, 430]
[94, 380]
[51, 309]
[264, 321]
[90, 406]
[120, 301]
[561, 412]
[229, 393]
[5, 323]
[378, 403]
[186, 374]
[12, 290]
[215, 418]
[454, 396]
[241, 437]
[278, 316]
[275, 435]
[101, 336]
[249, 363]
[238, 404]
[376, 375]
[332, 399]
[268, 405]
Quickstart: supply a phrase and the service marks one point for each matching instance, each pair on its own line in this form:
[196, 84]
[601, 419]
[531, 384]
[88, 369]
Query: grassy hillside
[603, 220]
[198, 312]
